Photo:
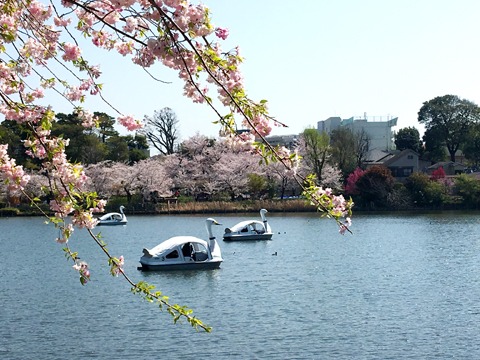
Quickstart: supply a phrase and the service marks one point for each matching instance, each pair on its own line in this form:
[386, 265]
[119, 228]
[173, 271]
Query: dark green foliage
[92, 150]
[451, 118]
[105, 126]
[137, 148]
[91, 146]
[69, 126]
[434, 146]
[257, 185]
[6, 212]
[343, 150]
[117, 149]
[424, 191]
[471, 147]
[135, 155]
[408, 138]
[316, 150]
[469, 189]
[374, 186]
[13, 134]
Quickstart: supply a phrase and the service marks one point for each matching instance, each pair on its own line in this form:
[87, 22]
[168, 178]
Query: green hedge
[6, 212]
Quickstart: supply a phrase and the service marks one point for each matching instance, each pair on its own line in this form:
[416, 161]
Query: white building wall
[329, 125]
[379, 132]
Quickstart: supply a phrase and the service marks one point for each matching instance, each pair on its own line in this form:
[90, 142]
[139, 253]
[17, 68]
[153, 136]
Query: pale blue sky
[312, 59]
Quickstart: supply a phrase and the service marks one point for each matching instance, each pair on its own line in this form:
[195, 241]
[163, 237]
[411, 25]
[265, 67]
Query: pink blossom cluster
[221, 33]
[28, 114]
[89, 120]
[117, 266]
[34, 95]
[84, 271]
[40, 146]
[66, 173]
[231, 80]
[345, 225]
[336, 204]
[292, 162]
[38, 11]
[61, 207]
[84, 219]
[241, 142]
[71, 52]
[100, 208]
[191, 22]
[9, 80]
[12, 174]
[41, 44]
[259, 124]
[89, 85]
[62, 21]
[190, 18]
[129, 122]
[65, 178]
[191, 90]
[339, 202]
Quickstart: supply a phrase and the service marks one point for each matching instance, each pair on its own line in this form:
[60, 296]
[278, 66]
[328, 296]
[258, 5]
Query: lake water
[401, 287]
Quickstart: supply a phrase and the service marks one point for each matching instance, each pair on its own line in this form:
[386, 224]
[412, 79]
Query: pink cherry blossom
[221, 33]
[63, 21]
[84, 271]
[129, 122]
[12, 174]
[117, 266]
[71, 52]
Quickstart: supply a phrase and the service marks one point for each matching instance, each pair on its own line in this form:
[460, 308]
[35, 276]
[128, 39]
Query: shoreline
[232, 207]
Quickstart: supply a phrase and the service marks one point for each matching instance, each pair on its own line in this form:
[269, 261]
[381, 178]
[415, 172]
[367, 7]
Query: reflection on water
[403, 286]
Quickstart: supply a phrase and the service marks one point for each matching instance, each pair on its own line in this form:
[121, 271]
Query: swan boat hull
[113, 218]
[181, 253]
[246, 237]
[248, 230]
[111, 223]
[181, 266]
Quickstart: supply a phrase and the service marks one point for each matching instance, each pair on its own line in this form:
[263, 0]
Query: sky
[312, 59]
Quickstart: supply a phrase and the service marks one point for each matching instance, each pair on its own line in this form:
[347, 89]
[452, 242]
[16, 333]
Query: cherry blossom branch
[116, 269]
[172, 32]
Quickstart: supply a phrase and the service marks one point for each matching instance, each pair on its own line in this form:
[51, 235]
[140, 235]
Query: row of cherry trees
[203, 168]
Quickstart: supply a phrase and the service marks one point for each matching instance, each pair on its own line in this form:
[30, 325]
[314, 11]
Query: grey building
[378, 131]
[289, 141]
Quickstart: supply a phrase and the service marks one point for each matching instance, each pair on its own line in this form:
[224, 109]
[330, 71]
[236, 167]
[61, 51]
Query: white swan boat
[184, 253]
[113, 218]
[250, 230]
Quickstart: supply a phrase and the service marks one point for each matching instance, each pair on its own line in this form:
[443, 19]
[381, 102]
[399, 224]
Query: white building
[378, 131]
[289, 141]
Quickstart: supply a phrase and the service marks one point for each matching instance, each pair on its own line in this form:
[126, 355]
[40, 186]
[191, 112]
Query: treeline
[376, 189]
[86, 146]
[209, 169]
[203, 169]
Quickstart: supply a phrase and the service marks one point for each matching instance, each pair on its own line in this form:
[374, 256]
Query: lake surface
[402, 287]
